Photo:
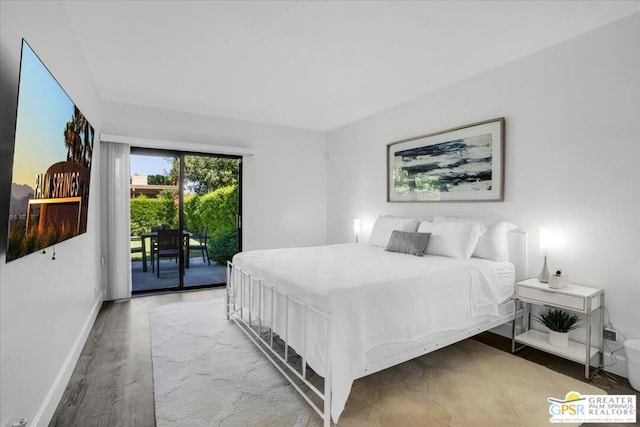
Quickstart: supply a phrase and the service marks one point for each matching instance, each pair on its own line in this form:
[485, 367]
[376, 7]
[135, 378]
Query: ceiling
[313, 64]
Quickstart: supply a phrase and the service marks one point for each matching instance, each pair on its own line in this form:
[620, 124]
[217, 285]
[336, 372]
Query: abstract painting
[461, 164]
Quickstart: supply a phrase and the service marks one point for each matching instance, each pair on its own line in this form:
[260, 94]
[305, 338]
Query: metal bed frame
[240, 294]
[241, 291]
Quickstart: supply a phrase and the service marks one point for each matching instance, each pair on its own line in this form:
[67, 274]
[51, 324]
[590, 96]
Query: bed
[345, 311]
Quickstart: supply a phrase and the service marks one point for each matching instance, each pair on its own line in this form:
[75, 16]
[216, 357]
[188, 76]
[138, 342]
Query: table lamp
[546, 245]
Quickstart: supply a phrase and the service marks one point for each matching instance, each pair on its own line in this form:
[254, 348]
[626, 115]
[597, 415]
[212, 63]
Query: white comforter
[374, 298]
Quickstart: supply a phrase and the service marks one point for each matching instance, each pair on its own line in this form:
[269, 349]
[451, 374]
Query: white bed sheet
[375, 299]
[506, 279]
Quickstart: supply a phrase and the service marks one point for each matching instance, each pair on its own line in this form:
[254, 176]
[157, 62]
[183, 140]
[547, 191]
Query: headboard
[518, 252]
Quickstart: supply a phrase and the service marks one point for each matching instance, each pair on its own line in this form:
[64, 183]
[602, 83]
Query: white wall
[46, 307]
[284, 182]
[572, 127]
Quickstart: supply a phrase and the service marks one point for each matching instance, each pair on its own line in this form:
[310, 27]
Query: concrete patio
[199, 273]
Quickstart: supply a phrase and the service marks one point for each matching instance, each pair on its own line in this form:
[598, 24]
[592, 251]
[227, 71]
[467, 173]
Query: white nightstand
[579, 299]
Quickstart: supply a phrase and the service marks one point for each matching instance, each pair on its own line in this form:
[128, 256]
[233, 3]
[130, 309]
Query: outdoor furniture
[154, 245]
[152, 237]
[201, 245]
[167, 246]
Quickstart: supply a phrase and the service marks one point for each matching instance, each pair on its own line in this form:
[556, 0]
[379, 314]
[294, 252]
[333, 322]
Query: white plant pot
[559, 339]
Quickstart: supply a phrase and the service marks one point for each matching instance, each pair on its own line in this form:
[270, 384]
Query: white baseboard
[50, 403]
[618, 368]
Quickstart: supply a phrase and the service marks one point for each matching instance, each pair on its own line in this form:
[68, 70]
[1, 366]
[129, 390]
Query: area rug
[206, 372]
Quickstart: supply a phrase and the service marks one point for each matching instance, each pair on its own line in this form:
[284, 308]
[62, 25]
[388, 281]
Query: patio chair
[167, 245]
[201, 245]
[154, 229]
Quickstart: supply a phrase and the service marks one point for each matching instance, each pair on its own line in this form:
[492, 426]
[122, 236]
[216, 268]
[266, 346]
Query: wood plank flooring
[112, 384]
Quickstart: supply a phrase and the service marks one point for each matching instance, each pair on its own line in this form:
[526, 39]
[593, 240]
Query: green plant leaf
[558, 320]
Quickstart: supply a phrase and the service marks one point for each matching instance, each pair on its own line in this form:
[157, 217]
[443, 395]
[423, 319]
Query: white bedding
[374, 298]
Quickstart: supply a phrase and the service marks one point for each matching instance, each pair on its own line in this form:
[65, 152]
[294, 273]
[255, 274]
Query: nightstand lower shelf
[540, 340]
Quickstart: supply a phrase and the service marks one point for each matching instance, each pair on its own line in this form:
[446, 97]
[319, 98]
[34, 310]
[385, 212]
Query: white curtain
[116, 234]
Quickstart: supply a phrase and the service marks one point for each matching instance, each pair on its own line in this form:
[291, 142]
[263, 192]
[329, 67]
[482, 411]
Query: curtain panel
[116, 234]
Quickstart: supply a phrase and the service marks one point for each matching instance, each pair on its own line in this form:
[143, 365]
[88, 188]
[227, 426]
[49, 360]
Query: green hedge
[224, 246]
[146, 213]
[218, 210]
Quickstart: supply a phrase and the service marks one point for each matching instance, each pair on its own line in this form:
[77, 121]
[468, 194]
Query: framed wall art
[461, 164]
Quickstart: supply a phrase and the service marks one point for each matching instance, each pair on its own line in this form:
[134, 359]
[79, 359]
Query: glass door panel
[155, 252]
[211, 215]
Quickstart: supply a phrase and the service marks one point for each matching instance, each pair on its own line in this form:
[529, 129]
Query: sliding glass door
[185, 218]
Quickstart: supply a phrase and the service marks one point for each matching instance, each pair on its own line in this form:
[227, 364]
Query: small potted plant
[559, 323]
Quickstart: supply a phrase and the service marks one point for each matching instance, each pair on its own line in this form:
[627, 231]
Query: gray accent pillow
[408, 243]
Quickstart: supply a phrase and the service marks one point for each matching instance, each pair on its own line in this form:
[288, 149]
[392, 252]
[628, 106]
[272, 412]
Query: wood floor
[112, 384]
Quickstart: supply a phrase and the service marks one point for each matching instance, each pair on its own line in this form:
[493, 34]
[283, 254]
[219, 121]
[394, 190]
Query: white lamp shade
[356, 227]
[547, 241]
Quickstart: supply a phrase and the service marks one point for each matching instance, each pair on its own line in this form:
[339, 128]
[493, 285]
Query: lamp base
[544, 275]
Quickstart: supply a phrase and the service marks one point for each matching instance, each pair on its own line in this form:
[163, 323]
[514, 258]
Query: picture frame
[455, 165]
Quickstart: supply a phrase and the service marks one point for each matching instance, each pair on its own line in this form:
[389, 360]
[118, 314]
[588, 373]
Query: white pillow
[385, 225]
[452, 239]
[493, 244]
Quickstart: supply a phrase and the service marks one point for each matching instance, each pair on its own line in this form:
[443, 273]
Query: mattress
[375, 300]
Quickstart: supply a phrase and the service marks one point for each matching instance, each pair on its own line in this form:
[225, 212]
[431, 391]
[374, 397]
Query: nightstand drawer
[562, 300]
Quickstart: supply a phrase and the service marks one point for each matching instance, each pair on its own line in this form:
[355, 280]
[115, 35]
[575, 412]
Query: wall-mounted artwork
[461, 164]
[51, 163]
